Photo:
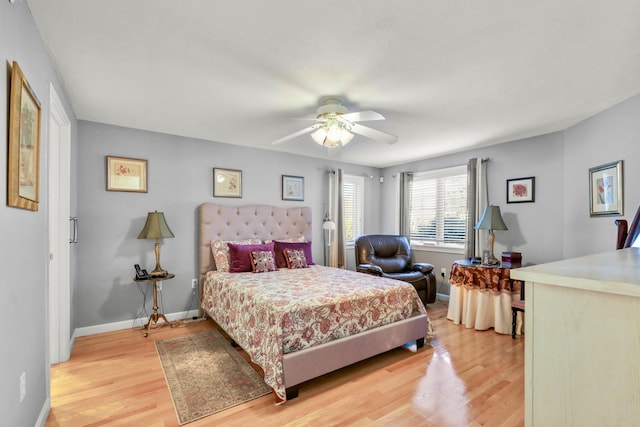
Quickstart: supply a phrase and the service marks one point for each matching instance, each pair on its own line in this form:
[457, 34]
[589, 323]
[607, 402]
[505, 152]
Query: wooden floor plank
[464, 378]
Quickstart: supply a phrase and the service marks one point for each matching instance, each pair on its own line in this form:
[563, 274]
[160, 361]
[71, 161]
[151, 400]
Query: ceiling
[448, 75]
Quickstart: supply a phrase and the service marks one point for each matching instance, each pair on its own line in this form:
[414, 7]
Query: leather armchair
[390, 256]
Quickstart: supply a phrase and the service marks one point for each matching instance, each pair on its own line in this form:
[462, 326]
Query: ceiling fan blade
[374, 134]
[296, 134]
[362, 116]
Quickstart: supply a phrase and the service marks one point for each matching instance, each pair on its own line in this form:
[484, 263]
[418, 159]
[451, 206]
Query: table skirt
[482, 310]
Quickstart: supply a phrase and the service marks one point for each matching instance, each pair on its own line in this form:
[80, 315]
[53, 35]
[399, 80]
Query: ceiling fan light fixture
[331, 144]
[319, 135]
[346, 137]
[334, 134]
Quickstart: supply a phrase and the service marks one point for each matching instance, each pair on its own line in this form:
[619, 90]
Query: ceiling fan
[335, 126]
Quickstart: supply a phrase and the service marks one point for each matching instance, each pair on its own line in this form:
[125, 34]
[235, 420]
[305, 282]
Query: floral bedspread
[274, 313]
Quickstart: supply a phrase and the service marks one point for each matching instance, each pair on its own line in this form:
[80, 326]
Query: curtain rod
[364, 174]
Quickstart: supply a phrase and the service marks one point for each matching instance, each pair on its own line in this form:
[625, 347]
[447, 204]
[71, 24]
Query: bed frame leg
[292, 393]
[420, 343]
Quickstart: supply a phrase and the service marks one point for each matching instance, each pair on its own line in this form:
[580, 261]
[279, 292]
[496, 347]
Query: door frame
[59, 278]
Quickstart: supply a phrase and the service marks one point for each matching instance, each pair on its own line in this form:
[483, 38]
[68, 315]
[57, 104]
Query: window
[353, 199]
[439, 207]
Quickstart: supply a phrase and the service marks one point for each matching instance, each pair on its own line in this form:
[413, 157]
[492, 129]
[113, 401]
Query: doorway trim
[59, 285]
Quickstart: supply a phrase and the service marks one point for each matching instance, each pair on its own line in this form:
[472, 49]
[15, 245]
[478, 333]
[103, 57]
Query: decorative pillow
[262, 261]
[280, 247]
[295, 258]
[221, 251]
[240, 256]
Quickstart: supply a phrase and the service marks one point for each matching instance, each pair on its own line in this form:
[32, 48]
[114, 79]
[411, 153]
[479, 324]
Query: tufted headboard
[218, 222]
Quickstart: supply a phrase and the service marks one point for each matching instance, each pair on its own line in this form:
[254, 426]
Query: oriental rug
[205, 375]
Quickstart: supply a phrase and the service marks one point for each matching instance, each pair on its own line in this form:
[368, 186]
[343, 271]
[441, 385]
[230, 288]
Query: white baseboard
[44, 413]
[126, 324]
[442, 297]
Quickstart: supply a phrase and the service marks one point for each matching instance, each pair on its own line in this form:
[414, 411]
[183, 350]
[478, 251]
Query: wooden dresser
[582, 340]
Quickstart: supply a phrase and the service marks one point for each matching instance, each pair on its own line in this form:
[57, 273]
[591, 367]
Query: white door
[59, 209]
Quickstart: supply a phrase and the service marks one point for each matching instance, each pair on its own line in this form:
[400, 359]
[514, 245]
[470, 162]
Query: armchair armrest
[422, 267]
[369, 269]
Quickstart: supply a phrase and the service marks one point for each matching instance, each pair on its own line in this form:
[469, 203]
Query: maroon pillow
[240, 256]
[281, 259]
[295, 258]
[262, 261]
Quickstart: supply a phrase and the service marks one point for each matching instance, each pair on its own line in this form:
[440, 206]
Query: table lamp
[156, 228]
[491, 220]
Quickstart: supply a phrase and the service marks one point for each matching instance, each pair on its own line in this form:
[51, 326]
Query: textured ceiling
[447, 75]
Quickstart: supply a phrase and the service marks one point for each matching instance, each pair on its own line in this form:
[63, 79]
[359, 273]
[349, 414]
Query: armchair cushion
[370, 269]
[422, 267]
[390, 256]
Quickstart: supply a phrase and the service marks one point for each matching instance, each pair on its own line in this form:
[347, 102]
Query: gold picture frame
[227, 183]
[23, 177]
[605, 189]
[126, 174]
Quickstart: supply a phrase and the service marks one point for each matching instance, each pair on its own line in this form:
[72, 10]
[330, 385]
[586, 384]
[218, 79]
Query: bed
[299, 323]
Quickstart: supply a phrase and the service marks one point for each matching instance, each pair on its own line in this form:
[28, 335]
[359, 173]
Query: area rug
[205, 375]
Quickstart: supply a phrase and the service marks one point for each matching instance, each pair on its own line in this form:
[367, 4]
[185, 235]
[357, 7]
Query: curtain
[476, 200]
[337, 245]
[406, 178]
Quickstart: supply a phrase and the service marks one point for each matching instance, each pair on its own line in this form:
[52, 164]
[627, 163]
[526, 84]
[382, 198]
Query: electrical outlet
[443, 272]
[159, 284]
[23, 386]
[194, 283]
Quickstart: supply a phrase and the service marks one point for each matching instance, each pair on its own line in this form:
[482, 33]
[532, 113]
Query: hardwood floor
[465, 378]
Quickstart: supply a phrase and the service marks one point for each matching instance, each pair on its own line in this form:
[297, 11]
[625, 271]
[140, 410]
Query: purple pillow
[280, 247]
[240, 256]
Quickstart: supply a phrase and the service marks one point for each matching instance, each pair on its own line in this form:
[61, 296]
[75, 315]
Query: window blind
[353, 200]
[438, 201]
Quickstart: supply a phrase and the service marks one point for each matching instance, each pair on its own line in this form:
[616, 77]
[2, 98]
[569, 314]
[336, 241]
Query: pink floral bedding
[274, 313]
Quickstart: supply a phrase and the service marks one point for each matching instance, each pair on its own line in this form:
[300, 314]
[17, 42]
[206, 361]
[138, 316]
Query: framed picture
[605, 189]
[292, 187]
[521, 190]
[227, 182]
[23, 175]
[125, 174]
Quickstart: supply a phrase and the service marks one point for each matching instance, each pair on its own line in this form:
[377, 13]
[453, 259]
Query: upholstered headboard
[218, 222]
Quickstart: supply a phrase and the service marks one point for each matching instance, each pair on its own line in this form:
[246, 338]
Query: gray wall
[557, 225]
[180, 177]
[24, 241]
[531, 230]
[609, 136]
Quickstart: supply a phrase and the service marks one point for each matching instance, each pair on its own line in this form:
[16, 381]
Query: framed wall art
[227, 183]
[521, 190]
[23, 175]
[605, 189]
[292, 187]
[125, 174]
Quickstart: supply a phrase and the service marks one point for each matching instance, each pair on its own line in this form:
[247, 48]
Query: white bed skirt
[481, 310]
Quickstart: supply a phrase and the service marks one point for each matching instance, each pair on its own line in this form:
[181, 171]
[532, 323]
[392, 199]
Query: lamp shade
[156, 227]
[491, 219]
[329, 225]
[332, 134]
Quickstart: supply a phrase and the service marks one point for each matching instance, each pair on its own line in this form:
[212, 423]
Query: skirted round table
[480, 296]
